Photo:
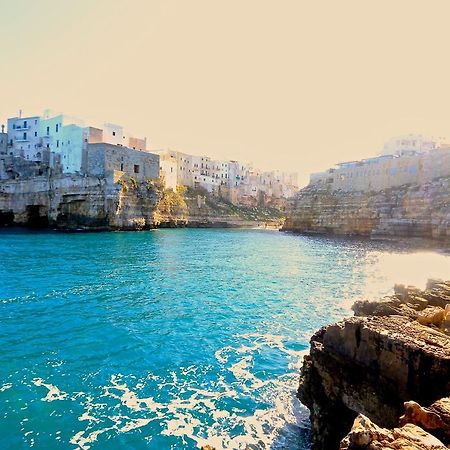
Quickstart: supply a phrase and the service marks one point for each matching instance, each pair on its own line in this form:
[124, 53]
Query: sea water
[173, 339]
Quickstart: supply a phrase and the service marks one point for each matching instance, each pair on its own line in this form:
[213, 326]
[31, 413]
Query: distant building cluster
[240, 183]
[58, 143]
[410, 159]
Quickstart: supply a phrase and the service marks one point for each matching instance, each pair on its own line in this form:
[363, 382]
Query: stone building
[65, 137]
[115, 162]
[386, 171]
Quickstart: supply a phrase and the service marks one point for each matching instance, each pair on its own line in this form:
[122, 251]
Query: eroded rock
[365, 435]
[372, 365]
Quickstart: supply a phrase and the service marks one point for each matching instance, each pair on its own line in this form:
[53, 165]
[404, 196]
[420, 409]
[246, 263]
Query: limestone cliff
[392, 352]
[408, 211]
[90, 203]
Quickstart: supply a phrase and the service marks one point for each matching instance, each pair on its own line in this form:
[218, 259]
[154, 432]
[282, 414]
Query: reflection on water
[174, 338]
[405, 268]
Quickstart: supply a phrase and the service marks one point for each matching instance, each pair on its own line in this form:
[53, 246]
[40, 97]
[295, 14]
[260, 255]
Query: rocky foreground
[381, 380]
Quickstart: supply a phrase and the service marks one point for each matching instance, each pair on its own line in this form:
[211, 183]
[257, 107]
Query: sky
[290, 84]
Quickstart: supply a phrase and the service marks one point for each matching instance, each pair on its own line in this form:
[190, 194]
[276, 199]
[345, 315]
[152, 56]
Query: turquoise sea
[171, 339]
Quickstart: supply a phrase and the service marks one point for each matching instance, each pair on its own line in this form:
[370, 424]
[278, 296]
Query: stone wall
[408, 211]
[105, 159]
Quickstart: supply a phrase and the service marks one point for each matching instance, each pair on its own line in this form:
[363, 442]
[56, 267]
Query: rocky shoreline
[412, 211]
[82, 203]
[381, 379]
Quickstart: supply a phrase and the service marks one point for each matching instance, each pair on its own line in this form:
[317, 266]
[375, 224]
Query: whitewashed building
[63, 138]
[227, 178]
[23, 137]
[168, 169]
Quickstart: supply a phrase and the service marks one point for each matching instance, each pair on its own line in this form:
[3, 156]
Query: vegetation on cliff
[172, 207]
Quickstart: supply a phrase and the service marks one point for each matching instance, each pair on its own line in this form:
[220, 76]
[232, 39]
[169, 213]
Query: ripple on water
[175, 338]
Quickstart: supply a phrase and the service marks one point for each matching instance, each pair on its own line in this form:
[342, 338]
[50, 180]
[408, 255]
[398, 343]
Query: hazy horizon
[291, 85]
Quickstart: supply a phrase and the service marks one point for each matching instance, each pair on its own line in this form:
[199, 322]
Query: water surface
[171, 339]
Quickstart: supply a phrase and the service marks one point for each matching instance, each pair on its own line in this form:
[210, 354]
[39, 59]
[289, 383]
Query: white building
[411, 144]
[3, 141]
[168, 169]
[23, 137]
[231, 179]
[64, 137]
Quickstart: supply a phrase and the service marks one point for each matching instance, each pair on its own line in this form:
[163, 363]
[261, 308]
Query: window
[25, 123]
[35, 134]
[121, 167]
[114, 133]
[35, 122]
[24, 136]
[48, 131]
[136, 168]
[57, 142]
[57, 127]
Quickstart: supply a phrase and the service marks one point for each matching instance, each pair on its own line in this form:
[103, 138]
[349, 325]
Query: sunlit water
[174, 338]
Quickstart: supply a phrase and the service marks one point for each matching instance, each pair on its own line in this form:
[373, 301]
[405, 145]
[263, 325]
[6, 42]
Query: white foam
[5, 387]
[53, 392]
[180, 415]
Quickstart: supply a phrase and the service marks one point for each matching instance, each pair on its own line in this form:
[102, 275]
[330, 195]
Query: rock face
[366, 435]
[409, 211]
[373, 365]
[91, 203]
[76, 202]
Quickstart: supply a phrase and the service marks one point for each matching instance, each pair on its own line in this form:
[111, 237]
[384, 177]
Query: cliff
[90, 203]
[408, 211]
[368, 375]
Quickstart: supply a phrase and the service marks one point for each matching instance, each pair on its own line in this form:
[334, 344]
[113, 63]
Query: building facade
[229, 179]
[115, 162]
[63, 139]
[388, 170]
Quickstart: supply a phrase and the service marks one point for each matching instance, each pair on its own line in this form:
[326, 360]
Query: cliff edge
[368, 375]
[75, 202]
[421, 211]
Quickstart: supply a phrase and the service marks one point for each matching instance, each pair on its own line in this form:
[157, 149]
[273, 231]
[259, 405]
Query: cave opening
[6, 218]
[37, 216]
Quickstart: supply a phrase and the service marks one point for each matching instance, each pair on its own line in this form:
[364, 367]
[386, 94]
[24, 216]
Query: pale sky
[290, 84]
